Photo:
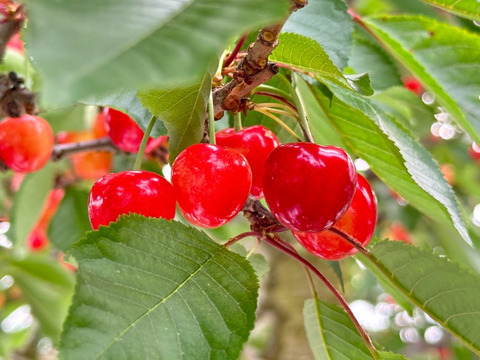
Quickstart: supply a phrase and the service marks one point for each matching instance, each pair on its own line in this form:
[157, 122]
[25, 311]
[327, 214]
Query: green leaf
[448, 293]
[360, 83]
[406, 108]
[368, 57]
[128, 102]
[307, 55]
[47, 287]
[328, 23]
[70, 118]
[155, 289]
[394, 156]
[322, 129]
[384, 282]
[337, 269]
[28, 203]
[469, 9]
[71, 221]
[385, 355]
[331, 333]
[125, 44]
[446, 60]
[182, 109]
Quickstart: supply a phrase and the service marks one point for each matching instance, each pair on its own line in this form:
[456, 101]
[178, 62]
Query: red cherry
[26, 143]
[37, 240]
[15, 43]
[125, 132]
[308, 187]
[212, 183]
[358, 222]
[413, 85]
[99, 127]
[140, 192]
[255, 143]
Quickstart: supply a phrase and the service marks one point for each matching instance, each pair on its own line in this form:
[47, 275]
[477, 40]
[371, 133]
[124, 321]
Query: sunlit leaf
[446, 60]
[469, 9]
[150, 288]
[328, 23]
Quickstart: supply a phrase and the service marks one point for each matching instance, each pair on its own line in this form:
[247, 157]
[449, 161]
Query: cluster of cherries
[309, 188]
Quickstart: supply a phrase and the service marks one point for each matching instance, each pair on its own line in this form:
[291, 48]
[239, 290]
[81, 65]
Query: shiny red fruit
[413, 85]
[26, 143]
[125, 132]
[37, 239]
[255, 143]
[212, 183]
[140, 192]
[359, 222]
[308, 187]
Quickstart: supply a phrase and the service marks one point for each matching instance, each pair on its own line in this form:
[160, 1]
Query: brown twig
[62, 150]
[254, 68]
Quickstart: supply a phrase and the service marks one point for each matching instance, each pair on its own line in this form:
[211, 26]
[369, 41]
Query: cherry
[140, 192]
[37, 240]
[255, 143]
[358, 222]
[308, 187]
[212, 183]
[99, 127]
[26, 143]
[125, 132]
[397, 231]
[15, 43]
[412, 84]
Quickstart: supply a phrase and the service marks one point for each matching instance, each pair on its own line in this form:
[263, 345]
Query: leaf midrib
[148, 312]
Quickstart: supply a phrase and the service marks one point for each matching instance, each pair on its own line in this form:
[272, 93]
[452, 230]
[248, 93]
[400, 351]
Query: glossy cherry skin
[413, 85]
[255, 143]
[125, 132]
[212, 183]
[139, 192]
[359, 222]
[308, 187]
[26, 143]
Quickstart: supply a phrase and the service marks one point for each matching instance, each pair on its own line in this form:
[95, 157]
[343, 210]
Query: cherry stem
[211, 120]
[143, 144]
[277, 119]
[276, 242]
[277, 97]
[352, 241]
[242, 236]
[302, 115]
[234, 53]
[238, 121]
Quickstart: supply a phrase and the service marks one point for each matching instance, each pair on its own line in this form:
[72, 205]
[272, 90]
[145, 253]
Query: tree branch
[62, 150]
[254, 69]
